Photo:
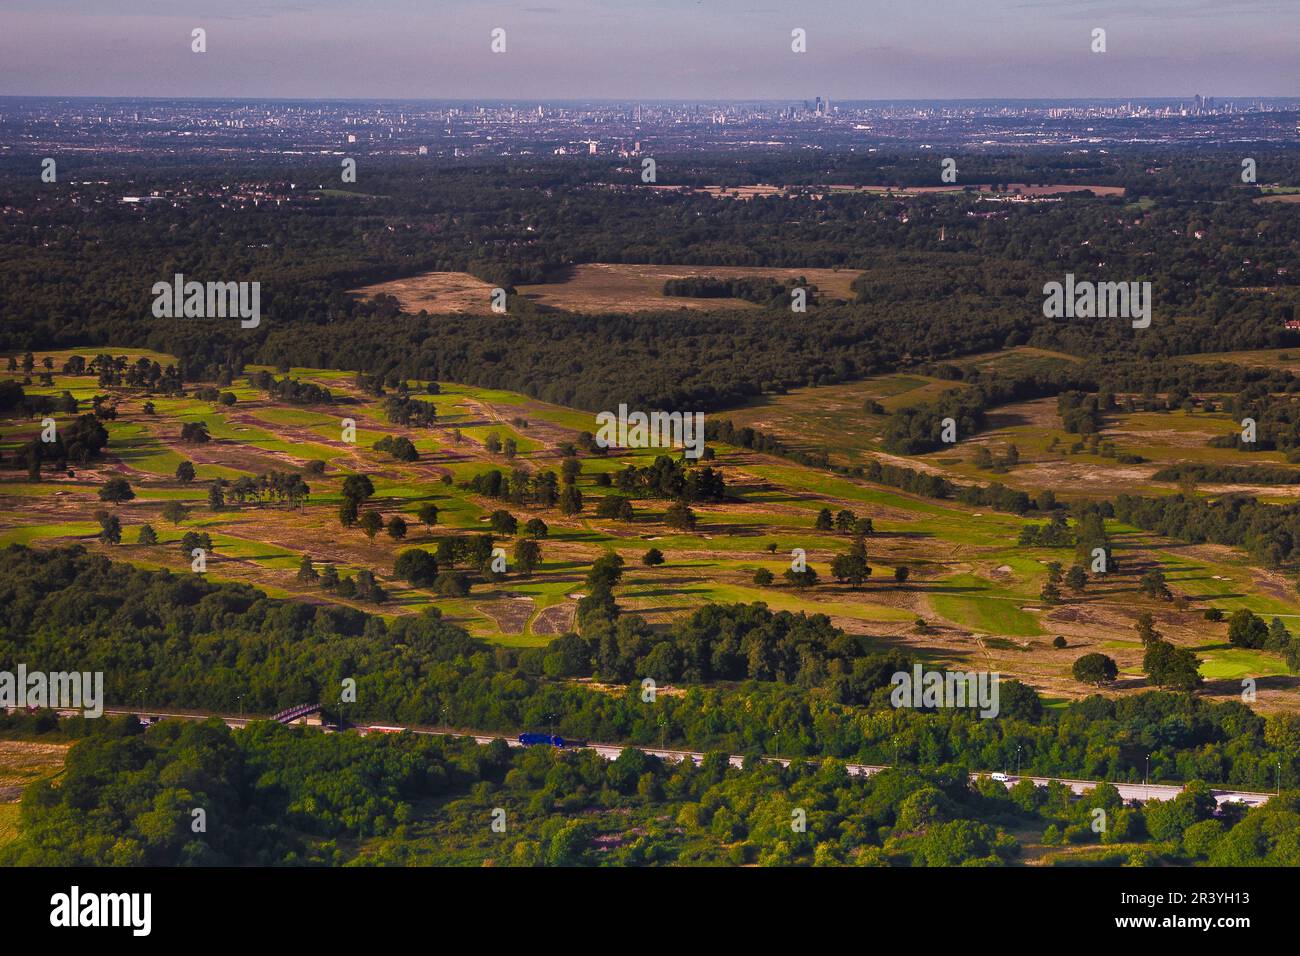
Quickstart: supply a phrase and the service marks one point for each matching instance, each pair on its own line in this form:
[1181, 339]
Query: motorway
[1129, 791]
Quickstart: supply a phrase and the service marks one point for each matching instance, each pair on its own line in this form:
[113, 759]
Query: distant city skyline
[660, 50]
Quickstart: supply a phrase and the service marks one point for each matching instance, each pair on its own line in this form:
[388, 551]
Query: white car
[1000, 777]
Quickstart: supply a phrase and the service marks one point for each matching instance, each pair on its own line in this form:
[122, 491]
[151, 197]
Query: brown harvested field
[598, 287]
[436, 292]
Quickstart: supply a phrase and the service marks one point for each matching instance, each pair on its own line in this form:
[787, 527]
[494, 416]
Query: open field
[972, 597]
[833, 419]
[596, 287]
[22, 763]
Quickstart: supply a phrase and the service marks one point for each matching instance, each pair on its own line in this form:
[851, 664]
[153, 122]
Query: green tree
[1095, 669]
[1076, 579]
[528, 556]
[416, 566]
[1173, 667]
[370, 522]
[357, 488]
[1246, 629]
[116, 490]
[175, 512]
[110, 528]
[307, 573]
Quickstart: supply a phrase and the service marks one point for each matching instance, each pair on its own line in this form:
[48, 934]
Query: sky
[650, 49]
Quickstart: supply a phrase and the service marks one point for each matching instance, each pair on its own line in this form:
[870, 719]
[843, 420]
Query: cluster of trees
[399, 446]
[523, 487]
[760, 289]
[1055, 533]
[290, 389]
[275, 487]
[401, 409]
[1228, 474]
[916, 429]
[726, 643]
[1269, 533]
[668, 477]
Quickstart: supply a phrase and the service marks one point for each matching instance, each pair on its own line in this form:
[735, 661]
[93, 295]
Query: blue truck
[553, 740]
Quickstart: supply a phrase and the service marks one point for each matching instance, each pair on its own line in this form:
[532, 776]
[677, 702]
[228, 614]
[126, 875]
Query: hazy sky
[652, 49]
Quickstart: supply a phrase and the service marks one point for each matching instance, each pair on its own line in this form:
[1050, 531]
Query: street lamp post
[1146, 777]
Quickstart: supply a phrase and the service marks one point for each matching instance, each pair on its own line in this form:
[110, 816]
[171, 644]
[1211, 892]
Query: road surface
[1129, 791]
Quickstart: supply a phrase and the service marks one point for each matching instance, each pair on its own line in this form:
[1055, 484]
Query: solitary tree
[175, 512]
[528, 555]
[357, 488]
[1094, 669]
[307, 573]
[185, 472]
[110, 528]
[116, 490]
[370, 523]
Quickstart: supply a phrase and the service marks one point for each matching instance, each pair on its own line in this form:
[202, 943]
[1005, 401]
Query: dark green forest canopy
[82, 274]
[273, 795]
[808, 689]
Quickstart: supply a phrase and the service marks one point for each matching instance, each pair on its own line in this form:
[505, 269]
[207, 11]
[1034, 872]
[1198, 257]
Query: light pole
[1017, 760]
[240, 701]
[1279, 776]
[1146, 777]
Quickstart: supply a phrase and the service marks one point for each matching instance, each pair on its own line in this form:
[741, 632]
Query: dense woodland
[274, 796]
[82, 273]
[802, 688]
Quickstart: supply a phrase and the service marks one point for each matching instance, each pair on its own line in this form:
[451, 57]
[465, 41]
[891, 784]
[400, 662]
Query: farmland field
[597, 287]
